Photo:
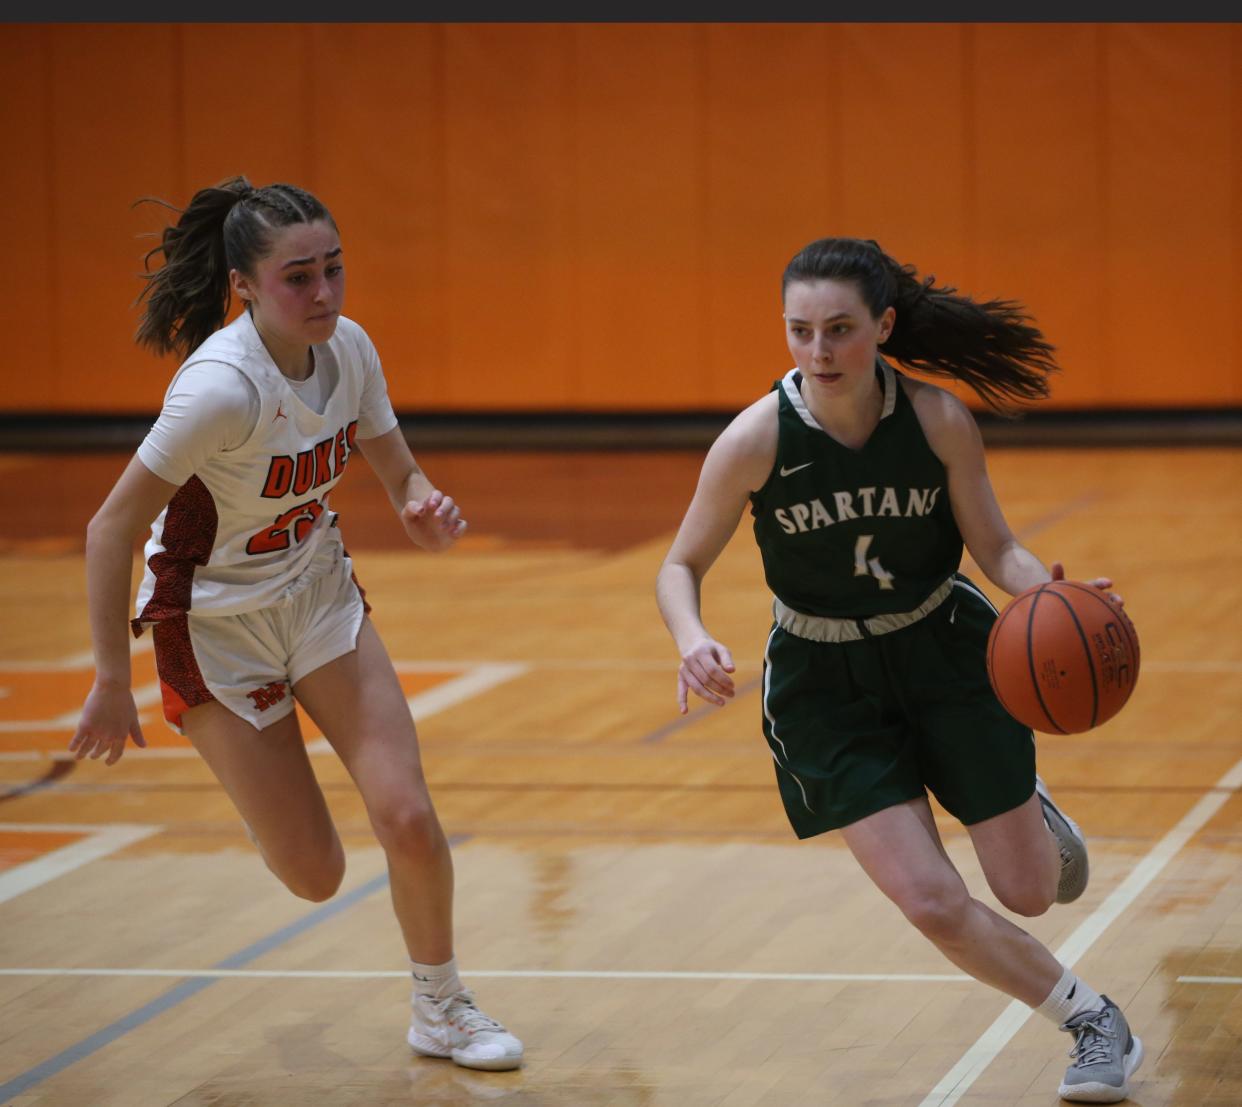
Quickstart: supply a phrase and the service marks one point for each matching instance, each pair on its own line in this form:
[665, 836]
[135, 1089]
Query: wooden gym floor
[630, 898]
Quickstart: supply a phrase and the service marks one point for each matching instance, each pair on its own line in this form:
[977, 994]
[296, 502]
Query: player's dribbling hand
[435, 523]
[109, 716]
[1102, 583]
[705, 670]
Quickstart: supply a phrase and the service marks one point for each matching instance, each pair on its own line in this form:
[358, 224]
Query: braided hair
[227, 226]
[991, 346]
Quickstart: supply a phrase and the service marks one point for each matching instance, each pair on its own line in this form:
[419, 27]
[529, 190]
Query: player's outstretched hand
[1102, 583]
[109, 716]
[705, 670]
[435, 523]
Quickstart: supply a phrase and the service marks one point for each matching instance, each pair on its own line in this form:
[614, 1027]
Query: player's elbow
[674, 572]
[101, 530]
[108, 528]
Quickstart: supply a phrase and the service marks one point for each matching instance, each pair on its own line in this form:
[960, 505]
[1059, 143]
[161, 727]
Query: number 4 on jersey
[865, 566]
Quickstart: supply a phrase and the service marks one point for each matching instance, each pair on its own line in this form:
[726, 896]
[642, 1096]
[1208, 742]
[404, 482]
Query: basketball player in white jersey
[248, 590]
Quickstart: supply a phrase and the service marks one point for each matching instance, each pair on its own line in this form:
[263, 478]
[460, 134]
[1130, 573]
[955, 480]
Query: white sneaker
[455, 1027]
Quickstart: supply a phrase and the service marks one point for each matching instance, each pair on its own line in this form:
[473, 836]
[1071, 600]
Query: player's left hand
[1102, 583]
[434, 523]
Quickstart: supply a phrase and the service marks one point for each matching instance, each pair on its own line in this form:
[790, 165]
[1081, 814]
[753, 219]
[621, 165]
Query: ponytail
[188, 297]
[991, 346]
[228, 226]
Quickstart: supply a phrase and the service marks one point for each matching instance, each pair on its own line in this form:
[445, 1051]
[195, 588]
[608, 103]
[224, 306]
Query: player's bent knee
[938, 913]
[316, 886]
[315, 879]
[1025, 897]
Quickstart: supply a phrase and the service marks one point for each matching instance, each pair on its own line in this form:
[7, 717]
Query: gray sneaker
[1105, 1055]
[1070, 842]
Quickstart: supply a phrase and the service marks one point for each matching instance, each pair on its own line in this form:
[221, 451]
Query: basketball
[1063, 657]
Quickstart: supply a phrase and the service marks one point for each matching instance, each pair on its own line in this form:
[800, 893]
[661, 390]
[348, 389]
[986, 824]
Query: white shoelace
[1091, 1041]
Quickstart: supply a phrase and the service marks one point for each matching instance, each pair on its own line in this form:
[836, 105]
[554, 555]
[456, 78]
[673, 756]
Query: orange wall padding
[594, 217]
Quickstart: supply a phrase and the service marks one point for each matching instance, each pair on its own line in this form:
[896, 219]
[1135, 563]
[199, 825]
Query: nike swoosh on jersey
[785, 472]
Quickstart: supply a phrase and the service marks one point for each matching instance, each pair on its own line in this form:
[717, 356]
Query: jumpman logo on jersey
[280, 413]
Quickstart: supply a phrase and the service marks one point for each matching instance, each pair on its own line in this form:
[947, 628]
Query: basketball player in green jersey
[864, 485]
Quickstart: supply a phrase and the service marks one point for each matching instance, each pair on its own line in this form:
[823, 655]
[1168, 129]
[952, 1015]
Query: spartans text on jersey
[861, 504]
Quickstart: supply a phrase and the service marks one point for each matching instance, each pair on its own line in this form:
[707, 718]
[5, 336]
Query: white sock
[436, 980]
[1069, 997]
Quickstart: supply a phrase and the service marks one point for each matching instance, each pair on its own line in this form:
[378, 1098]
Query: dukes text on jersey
[311, 468]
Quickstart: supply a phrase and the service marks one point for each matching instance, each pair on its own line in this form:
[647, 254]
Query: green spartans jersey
[855, 533]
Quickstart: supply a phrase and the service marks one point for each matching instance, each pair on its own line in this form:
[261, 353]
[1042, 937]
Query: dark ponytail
[227, 226]
[991, 346]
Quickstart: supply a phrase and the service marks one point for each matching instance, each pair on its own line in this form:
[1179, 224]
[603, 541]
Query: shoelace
[460, 1008]
[1092, 1040]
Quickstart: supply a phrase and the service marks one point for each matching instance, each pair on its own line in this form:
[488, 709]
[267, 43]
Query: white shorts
[249, 662]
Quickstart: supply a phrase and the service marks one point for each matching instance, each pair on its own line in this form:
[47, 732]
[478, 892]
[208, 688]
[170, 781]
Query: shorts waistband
[824, 628]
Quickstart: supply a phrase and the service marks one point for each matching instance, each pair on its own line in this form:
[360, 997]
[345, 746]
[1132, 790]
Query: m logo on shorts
[267, 695]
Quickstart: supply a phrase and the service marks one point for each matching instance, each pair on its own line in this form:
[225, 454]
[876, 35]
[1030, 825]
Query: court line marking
[1059, 514]
[515, 974]
[84, 662]
[99, 842]
[954, 1084]
[148, 1011]
[145, 695]
[479, 678]
[1209, 979]
[423, 705]
[482, 677]
[75, 662]
[696, 714]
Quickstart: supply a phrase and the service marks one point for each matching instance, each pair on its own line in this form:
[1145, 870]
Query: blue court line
[1057, 515]
[683, 721]
[170, 999]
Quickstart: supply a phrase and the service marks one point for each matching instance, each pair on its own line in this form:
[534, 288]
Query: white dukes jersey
[241, 531]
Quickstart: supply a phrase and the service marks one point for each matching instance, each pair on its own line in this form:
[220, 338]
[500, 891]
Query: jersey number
[865, 566]
[298, 519]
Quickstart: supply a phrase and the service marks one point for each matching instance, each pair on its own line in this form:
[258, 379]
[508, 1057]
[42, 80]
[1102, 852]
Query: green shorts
[855, 727]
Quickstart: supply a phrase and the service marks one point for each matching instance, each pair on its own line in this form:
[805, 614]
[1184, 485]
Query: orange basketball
[1063, 657]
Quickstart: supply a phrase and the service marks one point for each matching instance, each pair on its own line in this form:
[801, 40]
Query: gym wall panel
[249, 103]
[1170, 247]
[385, 183]
[1232, 113]
[508, 217]
[639, 180]
[1039, 211]
[595, 216]
[904, 146]
[902, 157]
[113, 137]
[771, 128]
[28, 287]
[246, 102]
